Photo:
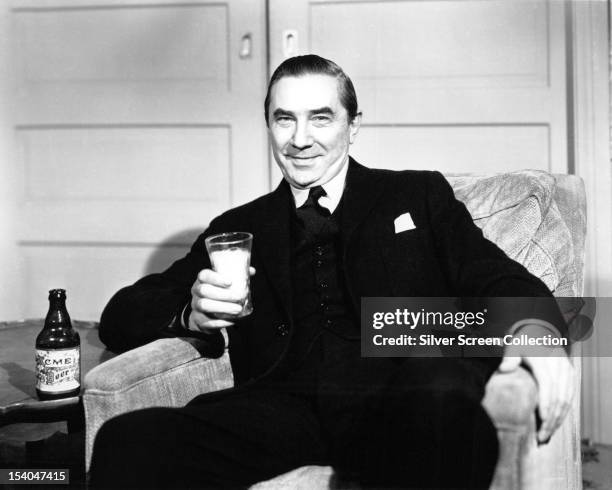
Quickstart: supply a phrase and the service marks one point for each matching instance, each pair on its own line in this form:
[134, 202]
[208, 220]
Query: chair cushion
[516, 211]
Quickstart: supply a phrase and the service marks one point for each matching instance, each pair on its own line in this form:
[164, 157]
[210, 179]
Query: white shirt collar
[333, 189]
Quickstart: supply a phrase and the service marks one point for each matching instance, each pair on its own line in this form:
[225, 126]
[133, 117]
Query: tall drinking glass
[230, 254]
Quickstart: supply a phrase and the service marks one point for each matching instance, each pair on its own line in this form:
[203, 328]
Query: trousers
[420, 425]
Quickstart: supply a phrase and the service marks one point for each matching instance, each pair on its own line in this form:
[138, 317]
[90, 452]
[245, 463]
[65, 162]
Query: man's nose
[301, 136]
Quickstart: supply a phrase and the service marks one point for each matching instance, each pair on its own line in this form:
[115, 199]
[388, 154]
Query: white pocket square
[403, 222]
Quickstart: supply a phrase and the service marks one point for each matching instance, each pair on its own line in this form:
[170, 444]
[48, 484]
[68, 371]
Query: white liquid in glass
[234, 263]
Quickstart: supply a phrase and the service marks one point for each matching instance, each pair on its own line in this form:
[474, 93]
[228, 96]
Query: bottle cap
[57, 293]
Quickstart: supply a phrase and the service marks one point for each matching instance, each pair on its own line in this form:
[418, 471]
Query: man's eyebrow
[281, 112]
[323, 110]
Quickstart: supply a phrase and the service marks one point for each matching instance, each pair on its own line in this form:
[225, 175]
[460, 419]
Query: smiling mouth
[296, 157]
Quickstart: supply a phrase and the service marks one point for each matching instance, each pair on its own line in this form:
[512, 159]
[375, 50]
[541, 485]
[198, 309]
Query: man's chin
[303, 184]
[303, 179]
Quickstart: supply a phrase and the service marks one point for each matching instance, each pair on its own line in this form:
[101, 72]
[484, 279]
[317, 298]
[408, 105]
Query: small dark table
[18, 401]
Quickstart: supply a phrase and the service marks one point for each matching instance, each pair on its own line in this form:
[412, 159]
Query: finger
[208, 291]
[509, 363]
[561, 381]
[202, 321]
[565, 380]
[252, 271]
[545, 404]
[553, 420]
[208, 276]
[212, 306]
[560, 407]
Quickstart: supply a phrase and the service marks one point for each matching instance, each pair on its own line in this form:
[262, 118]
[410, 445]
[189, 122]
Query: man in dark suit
[327, 236]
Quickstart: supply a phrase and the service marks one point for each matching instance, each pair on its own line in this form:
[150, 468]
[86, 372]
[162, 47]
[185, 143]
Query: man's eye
[284, 120]
[321, 119]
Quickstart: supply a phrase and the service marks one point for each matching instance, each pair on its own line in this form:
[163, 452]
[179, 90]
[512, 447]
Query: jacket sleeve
[144, 311]
[476, 267]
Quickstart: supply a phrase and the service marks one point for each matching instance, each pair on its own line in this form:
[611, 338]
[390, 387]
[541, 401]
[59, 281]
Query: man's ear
[354, 127]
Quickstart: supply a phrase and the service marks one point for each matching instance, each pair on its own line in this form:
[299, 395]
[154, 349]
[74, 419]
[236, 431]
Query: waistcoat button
[282, 330]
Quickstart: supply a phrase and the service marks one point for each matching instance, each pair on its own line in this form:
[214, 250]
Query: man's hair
[311, 64]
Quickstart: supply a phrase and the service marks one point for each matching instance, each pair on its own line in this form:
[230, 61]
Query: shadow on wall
[172, 248]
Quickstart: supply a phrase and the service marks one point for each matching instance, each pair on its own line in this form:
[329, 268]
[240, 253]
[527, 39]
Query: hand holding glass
[230, 255]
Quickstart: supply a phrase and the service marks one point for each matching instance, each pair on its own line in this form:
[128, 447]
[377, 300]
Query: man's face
[309, 129]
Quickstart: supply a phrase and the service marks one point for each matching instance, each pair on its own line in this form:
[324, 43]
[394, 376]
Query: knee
[117, 427]
[125, 429]
[445, 376]
[133, 436]
[432, 415]
[451, 402]
[440, 418]
[447, 405]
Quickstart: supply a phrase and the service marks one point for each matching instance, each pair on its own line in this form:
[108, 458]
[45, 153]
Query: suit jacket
[444, 255]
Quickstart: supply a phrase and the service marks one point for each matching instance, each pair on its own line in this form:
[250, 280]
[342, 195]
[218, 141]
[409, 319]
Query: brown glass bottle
[58, 352]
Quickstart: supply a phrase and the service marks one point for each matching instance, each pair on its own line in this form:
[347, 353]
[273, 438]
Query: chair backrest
[537, 218]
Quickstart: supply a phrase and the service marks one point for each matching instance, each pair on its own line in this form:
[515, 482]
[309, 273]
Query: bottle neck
[58, 314]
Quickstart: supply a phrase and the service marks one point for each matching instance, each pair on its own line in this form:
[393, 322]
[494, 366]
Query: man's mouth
[301, 157]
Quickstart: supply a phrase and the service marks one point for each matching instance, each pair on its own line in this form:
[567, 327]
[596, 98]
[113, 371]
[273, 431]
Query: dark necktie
[312, 215]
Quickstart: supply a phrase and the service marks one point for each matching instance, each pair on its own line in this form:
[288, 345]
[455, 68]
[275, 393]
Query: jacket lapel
[362, 190]
[272, 223]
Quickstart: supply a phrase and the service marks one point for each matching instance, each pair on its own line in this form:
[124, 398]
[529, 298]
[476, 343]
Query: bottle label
[58, 370]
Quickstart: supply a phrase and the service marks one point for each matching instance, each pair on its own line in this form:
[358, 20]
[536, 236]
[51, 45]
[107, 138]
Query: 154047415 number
[17, 476]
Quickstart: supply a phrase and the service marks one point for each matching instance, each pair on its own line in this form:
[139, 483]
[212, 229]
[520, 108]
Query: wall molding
[591, 128]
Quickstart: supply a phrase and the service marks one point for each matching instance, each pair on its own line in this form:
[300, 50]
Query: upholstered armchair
[537, 218]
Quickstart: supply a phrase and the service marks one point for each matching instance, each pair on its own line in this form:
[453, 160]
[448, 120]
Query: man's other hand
[210, 295]
[554, 375]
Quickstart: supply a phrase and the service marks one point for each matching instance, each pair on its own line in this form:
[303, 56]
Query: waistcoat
[320, 301]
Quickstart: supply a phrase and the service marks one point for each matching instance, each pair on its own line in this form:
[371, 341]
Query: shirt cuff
[534, 321]
[184, 316]
[180, 323]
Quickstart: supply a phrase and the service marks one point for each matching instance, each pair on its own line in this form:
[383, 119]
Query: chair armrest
[510, 400]
[164, 373]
